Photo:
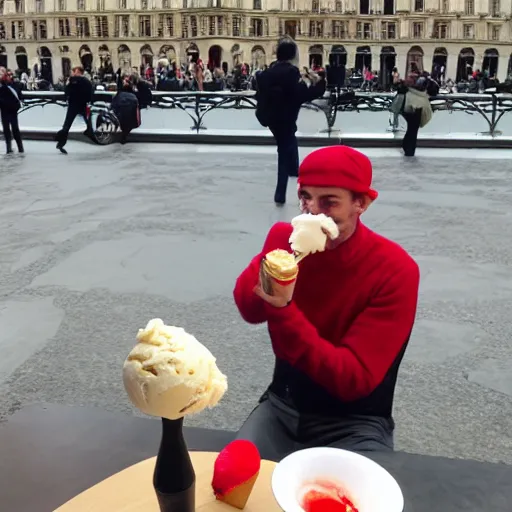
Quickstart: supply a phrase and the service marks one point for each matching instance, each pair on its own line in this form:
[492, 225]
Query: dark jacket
[78, 92]
[144, 94]
[8, 100]
[126, 108]
[280, 94]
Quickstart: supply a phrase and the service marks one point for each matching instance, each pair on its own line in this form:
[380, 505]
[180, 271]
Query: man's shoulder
[393, 255]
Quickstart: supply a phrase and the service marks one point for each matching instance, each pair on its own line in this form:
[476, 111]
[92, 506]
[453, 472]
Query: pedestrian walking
[280, 93]
[78, 94]
[10, 103]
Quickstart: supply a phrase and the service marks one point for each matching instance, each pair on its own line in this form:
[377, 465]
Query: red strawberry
[237, 463]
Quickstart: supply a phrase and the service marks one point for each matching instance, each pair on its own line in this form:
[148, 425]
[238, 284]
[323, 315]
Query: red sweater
[351, 316]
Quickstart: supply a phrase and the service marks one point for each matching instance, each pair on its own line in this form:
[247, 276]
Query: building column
[401, 61]
[451, 65]
[502, 67]
[11, 56]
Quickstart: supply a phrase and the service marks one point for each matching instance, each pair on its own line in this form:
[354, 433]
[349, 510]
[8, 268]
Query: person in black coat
[126, 108]
[143, 93]
[280, 92]
[10, 103]
[78, 93]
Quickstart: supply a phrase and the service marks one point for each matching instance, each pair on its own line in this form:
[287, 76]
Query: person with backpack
[413, 103]
[280, 93]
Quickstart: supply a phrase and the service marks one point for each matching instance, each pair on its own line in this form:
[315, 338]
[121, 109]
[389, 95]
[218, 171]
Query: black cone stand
[174, 478]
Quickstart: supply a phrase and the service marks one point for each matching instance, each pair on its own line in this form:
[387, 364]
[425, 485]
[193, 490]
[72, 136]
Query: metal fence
[492, 107]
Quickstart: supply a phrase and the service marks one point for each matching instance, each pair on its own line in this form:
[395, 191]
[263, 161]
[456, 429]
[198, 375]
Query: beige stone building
[57, 34]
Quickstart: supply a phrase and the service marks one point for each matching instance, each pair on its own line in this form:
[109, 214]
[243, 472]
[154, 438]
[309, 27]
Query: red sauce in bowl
[326, 497]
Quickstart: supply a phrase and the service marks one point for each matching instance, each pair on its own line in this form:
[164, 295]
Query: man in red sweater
[340, 332]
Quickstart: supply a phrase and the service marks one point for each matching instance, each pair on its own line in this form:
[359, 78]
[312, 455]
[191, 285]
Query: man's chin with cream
[343, 206]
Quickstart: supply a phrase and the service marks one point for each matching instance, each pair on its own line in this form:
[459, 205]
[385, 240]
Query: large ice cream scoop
[170, 374]
[310, 233]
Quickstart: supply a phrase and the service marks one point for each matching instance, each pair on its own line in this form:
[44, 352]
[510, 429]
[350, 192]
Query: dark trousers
[72, 112]
[278, 430]
[287, 160]
[410, 139]
[11, 129]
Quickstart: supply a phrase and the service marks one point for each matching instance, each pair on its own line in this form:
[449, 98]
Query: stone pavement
[96, 243]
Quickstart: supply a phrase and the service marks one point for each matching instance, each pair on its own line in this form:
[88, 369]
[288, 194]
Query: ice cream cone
[278, 265]
[238, 496]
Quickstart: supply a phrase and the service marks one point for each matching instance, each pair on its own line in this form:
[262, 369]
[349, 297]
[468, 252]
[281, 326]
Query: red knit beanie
[338, 166]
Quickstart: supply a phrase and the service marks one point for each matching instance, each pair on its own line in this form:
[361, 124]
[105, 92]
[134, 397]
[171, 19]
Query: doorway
[214, 57]
[387, 64]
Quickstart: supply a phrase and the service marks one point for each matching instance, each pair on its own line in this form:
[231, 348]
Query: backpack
[432, 87]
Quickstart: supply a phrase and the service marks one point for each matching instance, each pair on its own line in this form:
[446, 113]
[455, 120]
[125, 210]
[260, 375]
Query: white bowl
[370, 487]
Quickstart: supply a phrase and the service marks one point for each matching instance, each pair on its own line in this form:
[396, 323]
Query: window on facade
[388, 30]
[495, 8]
[417, 30]
[101, 25]
[64, 28]
[220, 25]
[2, 8]
[256, 5]
[468, 31]
[389, 7]
[122, 26]
[39, 6]
[100, 5]
[144, 4]
[338, 6]
[315, 5]
[169, 25]
[80, 5]
[339, 29]
[469, 7]
[165, 4]
[144, 26]
[184, 27]
[236, 26]
[122, 4]
[3, 34]
[212, 25]
[193, 26]
[256, 27]
[445, 6]
[18, 30]
[39, 29]
[364, 6]
[316, 29]
[291, 5]
[82, 27]
[495, 32]
[185, 4]
[289, 27]
[62, 5]
[364, 30]
[441, 30]
[418, 5]
[19, 6]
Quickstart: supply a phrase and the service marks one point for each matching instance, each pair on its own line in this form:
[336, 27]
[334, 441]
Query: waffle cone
[238, 496]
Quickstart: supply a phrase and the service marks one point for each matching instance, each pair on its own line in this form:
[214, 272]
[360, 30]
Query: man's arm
[359, 364]
[252, 307]
[307, 93]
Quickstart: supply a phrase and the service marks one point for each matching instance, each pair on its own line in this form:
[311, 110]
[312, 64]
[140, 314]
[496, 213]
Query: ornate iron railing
[492, 107]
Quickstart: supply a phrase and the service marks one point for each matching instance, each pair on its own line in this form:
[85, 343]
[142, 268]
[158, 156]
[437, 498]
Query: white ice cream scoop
[310, 233]
[170, 374]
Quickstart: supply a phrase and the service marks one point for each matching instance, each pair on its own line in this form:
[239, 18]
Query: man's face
[337, 203]
[8, 78]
